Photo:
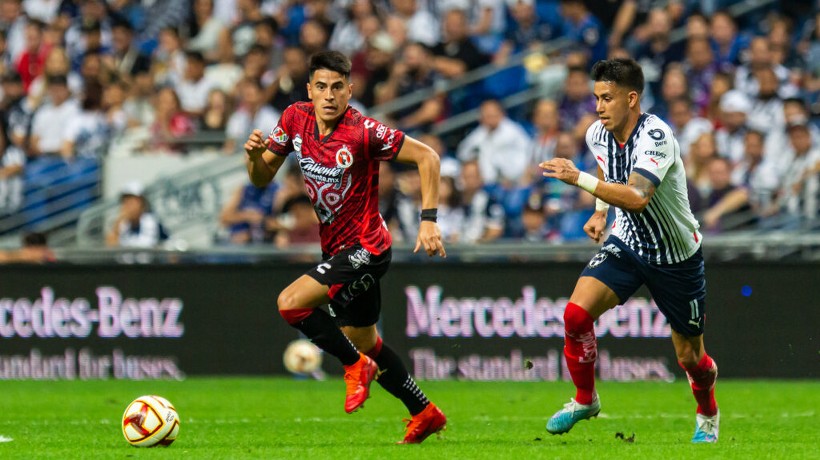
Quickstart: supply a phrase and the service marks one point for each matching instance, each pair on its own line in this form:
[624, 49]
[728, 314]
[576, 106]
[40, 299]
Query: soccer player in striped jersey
[654, 242]
[339, 150]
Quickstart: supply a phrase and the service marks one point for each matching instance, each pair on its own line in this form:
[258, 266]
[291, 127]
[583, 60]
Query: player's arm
[428, 163]
[632, 197]
[262, 163]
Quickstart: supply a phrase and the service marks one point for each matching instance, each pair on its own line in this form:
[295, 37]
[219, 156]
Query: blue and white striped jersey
[665, 232]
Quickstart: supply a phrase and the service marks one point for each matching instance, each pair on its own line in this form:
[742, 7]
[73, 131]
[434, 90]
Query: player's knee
[287, 301]
[687, 358]
[576, 320]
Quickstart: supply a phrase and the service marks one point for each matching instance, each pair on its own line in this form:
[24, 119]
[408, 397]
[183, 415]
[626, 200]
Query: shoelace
[708, 426]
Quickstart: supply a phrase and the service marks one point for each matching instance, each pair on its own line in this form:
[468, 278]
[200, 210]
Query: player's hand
[561, 169]
[595, 226]
[430, 239]
[255, 145]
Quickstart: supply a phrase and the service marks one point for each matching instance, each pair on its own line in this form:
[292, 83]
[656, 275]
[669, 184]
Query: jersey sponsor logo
[344, 159]
[382, 132]
[279, 135]
[656, 134]
[359, 258]
[297, 143]
[655, 161]
[655, 153]
[388, 144]
[660, 143]
[320, 173]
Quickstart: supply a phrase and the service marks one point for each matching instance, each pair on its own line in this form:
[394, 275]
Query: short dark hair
[35, 239]
[330, 60]
[622, 72]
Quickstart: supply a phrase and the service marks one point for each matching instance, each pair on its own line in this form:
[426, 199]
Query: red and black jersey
[341, 172]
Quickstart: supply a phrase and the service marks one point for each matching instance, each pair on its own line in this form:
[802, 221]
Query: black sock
[320, 328]
[397, 381]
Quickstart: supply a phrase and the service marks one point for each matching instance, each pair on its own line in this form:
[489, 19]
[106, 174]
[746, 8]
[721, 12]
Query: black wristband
[429, 214]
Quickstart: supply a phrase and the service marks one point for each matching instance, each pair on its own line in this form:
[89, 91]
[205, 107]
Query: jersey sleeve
[381, 142]
[655, 153]
[280, 139]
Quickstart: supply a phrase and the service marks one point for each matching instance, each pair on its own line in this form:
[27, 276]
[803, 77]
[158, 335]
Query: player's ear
[634, 97]
[310, 93]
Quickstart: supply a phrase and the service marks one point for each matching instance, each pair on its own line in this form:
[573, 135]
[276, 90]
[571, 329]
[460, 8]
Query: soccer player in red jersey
[339, 150]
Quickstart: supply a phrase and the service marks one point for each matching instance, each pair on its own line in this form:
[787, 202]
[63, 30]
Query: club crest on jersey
[279, 135]
[344, 158]
[297, 143]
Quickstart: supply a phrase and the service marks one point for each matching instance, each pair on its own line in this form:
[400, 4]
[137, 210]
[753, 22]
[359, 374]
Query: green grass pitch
[267, 418]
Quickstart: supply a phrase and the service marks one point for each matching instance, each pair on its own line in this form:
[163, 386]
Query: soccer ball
[302, 357]
[150, 421]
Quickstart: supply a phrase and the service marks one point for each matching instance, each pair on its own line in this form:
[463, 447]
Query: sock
[702, 379]
[320, 328]
[396, 380]
[580, 350]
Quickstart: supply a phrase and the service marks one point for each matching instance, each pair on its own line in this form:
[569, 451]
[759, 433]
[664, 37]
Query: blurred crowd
[740, 91]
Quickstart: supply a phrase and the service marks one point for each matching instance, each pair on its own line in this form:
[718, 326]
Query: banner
[449, 320]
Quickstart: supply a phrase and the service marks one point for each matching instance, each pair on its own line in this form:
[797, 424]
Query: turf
[286, 418]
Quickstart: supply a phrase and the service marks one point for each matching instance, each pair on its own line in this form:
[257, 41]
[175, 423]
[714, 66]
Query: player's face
[612, 103]
[330, 91]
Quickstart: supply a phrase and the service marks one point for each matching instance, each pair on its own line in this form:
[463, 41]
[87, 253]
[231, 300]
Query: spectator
[721, 84]
[727, 205]
[547, 124]
[34, 250]
[291, 79]
[766, 112]
[727, 43]
[534, 221]
[371, 68]
[346, 36]
[500, 145]
[92, 16]
[686, 126]
[13, 23]
[17, 111]
[758, 176]
[171, 126]
[139, 105]
[128, 59]
[32, 59]
[456, 54]
[251, 113]
[797, 199]
[734, 105]
[248, 215]
[583, 28]
[56, 63]
[87, 134]
[238, 39]
[313, 37]
[389, 198]
[205, 29]
[113, 105]
[450, 214]
[168, 62]
[49, 122]
[298, 223]
[12, 163]
[214, 119]
[412, 72]
[760, 58]
[135, 226]
[700, 68]
[658, 51]
[422, 26]
[194, 86]
[566, 208]
[483, 216]
[577, 103]
[697, 163]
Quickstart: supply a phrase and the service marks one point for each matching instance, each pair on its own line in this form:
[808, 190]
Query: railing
[187, 203]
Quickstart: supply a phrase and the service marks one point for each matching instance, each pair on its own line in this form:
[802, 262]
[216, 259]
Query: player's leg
[607, 280]
[589, 300]
[679, 290]
[359, 319]
[702, 372]
[298, 305]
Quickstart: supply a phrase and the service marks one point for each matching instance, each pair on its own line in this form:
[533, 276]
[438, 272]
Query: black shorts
[679, 289]
[353, 278]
